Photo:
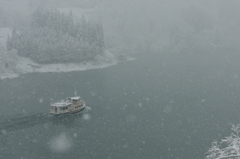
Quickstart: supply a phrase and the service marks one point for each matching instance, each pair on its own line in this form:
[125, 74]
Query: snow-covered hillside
[12, 65]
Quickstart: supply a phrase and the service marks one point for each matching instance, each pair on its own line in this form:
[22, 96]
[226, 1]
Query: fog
[148, 26]
[177, 94]
[173, 25]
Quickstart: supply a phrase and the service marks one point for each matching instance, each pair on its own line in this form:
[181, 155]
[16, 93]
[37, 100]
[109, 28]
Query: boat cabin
[70, 105]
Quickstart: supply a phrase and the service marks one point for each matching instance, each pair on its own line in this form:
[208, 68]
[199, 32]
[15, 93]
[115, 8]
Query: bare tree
[228, 148]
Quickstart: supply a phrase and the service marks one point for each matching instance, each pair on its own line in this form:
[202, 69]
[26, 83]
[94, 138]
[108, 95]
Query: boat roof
[74, 98]
[65, 103]
[61, 104]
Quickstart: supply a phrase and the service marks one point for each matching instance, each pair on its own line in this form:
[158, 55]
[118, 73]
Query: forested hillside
[148, 26]
[54, 37]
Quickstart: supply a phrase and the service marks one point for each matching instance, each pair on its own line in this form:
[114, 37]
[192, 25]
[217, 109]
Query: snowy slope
[24, 65]
[21, 65]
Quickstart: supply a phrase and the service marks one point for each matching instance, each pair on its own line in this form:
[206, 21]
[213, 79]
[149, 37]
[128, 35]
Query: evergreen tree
[9, 43]
[54, 37]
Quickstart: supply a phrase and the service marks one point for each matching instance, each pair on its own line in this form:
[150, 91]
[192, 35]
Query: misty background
[153, 26]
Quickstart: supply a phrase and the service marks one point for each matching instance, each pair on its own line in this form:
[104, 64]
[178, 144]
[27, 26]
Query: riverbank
[25, 65]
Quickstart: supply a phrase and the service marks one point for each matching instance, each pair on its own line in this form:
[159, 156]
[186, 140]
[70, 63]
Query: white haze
[163, 25]
[147, 26]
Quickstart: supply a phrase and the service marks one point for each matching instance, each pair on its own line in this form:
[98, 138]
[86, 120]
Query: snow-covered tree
[54, 37]
[228, 148]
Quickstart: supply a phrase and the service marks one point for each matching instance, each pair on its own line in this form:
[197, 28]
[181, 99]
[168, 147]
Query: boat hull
[69, 112]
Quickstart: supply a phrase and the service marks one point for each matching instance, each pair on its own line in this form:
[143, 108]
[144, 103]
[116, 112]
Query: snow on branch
[228, 148]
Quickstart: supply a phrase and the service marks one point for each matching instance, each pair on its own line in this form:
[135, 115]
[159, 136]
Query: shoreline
[26, 65]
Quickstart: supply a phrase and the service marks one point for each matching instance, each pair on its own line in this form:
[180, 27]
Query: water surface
[158, 106]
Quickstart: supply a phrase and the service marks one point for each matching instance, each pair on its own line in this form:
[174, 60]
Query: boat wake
[87, 109]
[20, 122]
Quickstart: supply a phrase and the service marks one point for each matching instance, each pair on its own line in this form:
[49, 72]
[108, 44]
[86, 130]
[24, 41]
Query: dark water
[158, 106]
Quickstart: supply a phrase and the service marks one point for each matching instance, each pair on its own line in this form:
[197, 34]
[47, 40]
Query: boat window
[64, 108]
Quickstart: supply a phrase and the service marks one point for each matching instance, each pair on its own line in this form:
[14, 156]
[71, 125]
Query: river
[165, 106]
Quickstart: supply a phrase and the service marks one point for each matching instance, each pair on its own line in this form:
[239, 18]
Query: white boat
[69, 106]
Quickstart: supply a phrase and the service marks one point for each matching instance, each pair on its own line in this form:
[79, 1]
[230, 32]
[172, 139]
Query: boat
[69, 106]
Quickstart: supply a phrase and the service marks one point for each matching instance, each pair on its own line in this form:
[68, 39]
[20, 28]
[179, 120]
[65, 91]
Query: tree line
[54, 37]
